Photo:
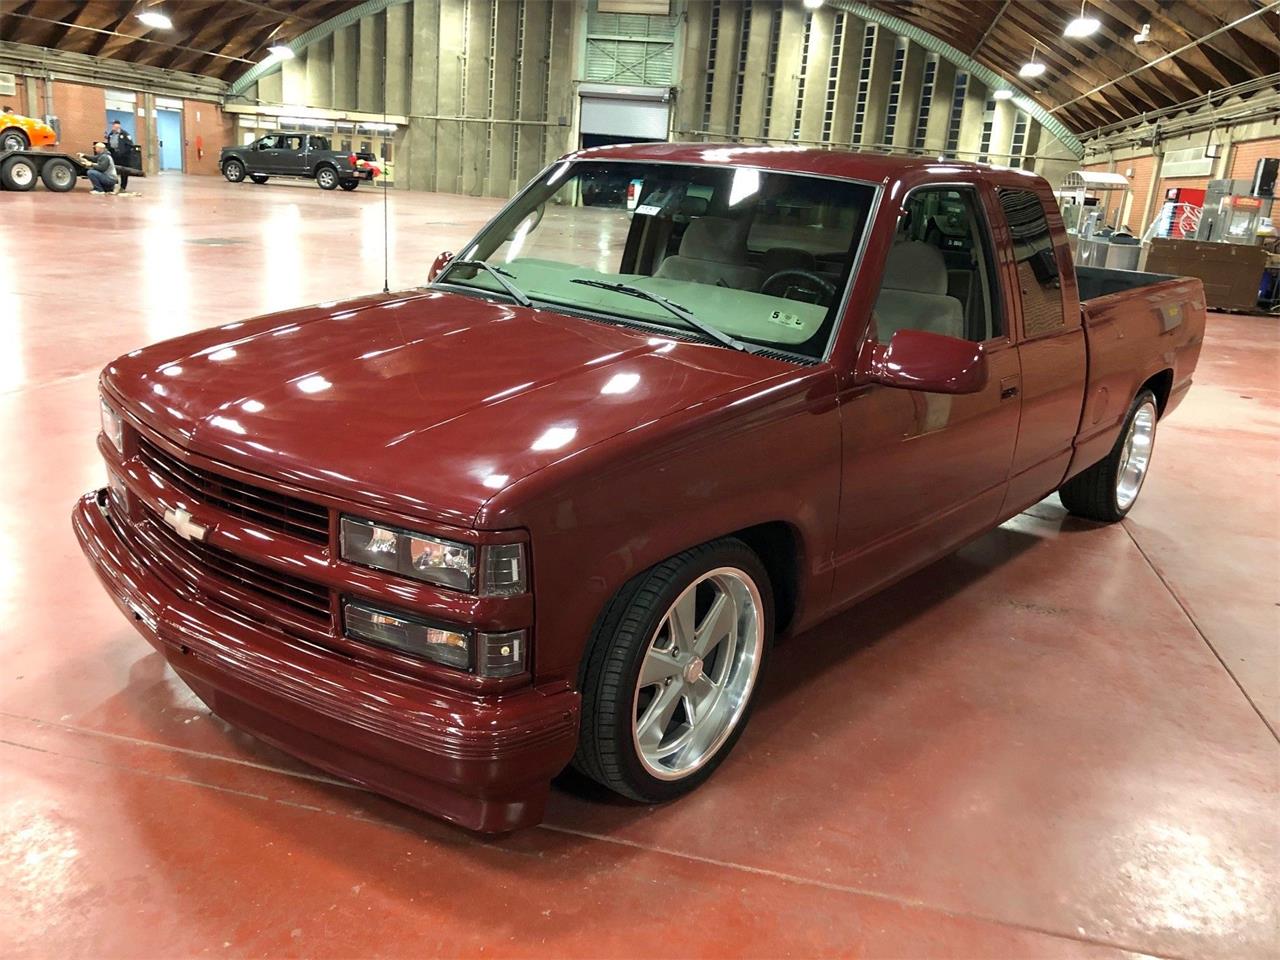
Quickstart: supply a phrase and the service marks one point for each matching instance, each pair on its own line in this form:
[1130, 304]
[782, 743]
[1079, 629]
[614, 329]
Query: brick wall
[1245, 156]
[205, 131]
[82, 114]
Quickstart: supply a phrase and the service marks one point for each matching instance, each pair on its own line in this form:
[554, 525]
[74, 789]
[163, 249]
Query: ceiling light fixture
[812, 4]
[1002, 95]
[1032, 68]
[1082, 26]
[281, 51]
[156, 18]
[1143, 35]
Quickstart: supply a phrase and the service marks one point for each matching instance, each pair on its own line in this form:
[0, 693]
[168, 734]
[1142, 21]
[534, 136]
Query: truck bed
[1140, 328]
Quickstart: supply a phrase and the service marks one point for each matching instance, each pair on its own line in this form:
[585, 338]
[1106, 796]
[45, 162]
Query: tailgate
[1149, 333]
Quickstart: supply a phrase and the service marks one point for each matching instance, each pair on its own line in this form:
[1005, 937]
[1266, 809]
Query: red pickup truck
[556, 506]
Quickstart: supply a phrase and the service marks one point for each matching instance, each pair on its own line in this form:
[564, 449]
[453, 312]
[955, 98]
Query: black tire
[607, 752]
[348, 184]
[259, 177]
[1093, 493]
[13, 139]
[59, 175]
[18, 174]
[234, 171]
[327, 178]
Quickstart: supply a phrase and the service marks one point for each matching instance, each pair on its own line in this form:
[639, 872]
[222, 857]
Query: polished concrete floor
[1059, 742]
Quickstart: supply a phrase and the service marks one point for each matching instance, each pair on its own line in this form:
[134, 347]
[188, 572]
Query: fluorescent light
[154, 18]
[1002, 95]
[1031, 68]
[281, 51]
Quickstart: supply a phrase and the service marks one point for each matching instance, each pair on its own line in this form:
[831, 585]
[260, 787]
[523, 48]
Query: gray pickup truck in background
[292, 153]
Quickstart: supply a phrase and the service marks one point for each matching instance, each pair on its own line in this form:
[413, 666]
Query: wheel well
[1161, 385]
[329, 164]
[778, 547]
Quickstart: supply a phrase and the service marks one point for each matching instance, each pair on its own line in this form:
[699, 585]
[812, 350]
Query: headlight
[501, 569]
[488, 654]
[112, 428]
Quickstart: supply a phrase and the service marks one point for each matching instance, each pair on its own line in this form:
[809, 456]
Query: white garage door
[640, 112]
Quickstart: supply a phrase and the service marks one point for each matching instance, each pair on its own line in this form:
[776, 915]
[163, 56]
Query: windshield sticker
[786, 319]
[648, 210]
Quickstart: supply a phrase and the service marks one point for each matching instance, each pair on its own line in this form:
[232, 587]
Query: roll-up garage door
[641, 113]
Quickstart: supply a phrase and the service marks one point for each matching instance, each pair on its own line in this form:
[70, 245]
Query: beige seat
[713, 250]
[913, 294]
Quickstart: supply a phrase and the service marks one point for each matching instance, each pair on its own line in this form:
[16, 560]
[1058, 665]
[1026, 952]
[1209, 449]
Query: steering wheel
[784, 283]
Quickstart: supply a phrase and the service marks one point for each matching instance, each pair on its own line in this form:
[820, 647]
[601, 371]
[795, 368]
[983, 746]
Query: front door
[925, 471]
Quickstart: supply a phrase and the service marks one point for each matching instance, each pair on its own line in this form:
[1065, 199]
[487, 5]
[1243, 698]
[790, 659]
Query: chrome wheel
[697, 673]
[1135, 455]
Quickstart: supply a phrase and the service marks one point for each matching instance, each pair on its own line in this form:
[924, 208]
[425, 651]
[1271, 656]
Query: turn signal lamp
[486, 654]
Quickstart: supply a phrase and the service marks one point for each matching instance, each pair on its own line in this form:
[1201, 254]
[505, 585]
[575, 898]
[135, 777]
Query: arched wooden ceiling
[1104, 79]
[213, 38]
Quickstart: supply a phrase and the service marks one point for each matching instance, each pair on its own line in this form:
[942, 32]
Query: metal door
[169, 134]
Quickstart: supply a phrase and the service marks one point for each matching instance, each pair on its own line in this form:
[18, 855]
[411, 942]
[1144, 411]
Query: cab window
[1038, 274]
[940, 275]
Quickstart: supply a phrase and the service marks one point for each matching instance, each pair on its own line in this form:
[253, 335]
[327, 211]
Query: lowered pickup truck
[305, 156]
[556, 506]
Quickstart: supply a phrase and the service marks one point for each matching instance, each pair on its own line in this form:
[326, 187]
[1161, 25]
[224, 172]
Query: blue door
[169, 133]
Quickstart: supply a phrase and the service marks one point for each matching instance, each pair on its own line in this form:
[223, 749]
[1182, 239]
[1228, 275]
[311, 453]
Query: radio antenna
[386, 230]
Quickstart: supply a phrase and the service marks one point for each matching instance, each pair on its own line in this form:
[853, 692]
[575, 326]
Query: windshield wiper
[498, 273]
[674, 309]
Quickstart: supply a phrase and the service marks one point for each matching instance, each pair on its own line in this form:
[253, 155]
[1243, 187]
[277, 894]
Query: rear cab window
[1039, 279]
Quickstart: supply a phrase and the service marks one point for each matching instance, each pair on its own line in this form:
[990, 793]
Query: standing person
[102, 170]
[120, 146]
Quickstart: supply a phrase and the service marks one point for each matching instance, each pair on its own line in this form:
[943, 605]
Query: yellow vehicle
[21, 133]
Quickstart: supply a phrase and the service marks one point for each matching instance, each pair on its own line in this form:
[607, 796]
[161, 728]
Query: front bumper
[483, 762]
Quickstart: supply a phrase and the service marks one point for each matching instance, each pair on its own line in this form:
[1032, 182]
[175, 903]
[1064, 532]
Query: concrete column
[904, 130]
[346, 51]
[271, 87]
[449, 132]
[562, 103]
[476, 104]
[786, 76]
[531, 139]
[293, 79]
[975, 105]
[320, 73]
[151, 145]
[751, 115]
[693, 68]
[725, 82]
[817, 74]
[944, 90]
[498, 180]
[369, 73]
[398, 45]
[878, 89]
[31, 96]
[847, 81]
[418, 155]
[1002, 131]
[1032, 148]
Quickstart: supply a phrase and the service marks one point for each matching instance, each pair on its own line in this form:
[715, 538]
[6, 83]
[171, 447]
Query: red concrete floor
[1054, 743]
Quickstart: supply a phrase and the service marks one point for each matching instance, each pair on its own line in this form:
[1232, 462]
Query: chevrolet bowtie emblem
[183, 525]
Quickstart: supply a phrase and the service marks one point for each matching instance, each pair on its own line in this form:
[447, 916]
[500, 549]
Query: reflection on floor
[1050, 744]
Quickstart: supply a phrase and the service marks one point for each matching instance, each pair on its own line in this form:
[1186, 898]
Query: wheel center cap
[693, 670]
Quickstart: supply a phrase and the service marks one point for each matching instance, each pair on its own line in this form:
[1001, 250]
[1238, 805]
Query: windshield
[762, 257]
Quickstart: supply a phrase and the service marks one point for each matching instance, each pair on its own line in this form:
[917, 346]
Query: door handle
[1008, 388]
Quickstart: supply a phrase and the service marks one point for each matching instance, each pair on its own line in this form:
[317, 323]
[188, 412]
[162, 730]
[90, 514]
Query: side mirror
[438, 264]
[918, 360]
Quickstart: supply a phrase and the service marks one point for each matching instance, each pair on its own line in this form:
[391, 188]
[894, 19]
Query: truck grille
[275, 511]
[276, 588]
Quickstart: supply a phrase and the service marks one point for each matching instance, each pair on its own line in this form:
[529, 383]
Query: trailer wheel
[259, 177]
[59, 175]
[18, 173]
[233, 170]
[13, 139]
[349, 184]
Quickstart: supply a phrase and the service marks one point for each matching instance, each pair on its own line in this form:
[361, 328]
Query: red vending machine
[1180, 213]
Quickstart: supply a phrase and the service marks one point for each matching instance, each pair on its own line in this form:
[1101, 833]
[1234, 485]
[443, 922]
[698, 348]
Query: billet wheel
[670, 673]
[1107, 490]
[13, 139]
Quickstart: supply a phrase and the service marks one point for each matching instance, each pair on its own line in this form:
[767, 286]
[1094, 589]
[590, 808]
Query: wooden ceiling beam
[213, 28]
[1196, 56]
[1059, 75]
[100, 41]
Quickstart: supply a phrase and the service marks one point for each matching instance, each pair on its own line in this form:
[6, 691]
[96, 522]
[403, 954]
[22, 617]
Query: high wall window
[926, 100]
[895, 91]
[713, 40]
[1018, 146]
[988, 124]
[833, 76]
[629, 47]
[957, 113]
[745, 40]
[864, 82]
[804, 71]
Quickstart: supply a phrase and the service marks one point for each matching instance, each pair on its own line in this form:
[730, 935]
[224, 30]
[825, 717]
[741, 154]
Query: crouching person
[102, 170]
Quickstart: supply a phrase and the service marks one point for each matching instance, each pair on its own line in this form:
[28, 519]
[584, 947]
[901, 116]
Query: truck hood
[425, 403]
